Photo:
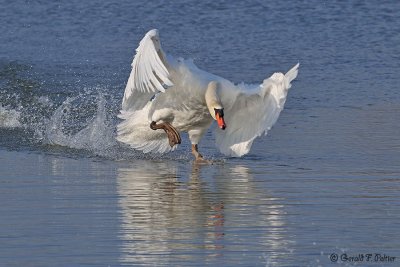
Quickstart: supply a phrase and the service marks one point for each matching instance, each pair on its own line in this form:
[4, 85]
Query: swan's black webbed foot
[173, 135]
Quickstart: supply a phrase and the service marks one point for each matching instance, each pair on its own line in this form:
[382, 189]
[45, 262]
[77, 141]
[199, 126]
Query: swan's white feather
[252, 112]
[135, 131]
[161, 88]
[183, 105]
[149, 73]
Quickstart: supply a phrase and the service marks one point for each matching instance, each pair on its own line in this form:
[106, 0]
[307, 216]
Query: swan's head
[214, 104]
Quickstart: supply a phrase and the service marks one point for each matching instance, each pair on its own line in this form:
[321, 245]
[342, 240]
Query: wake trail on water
[84, 123]
[42, 113]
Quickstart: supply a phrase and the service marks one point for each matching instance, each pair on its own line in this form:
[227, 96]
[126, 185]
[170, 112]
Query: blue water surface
[325, 181]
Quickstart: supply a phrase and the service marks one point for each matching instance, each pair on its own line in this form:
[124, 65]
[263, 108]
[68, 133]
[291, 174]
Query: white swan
[176, 96]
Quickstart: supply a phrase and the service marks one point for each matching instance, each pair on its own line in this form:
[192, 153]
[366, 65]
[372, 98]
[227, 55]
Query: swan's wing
[253, 114]
[149, 76]
[149, 73]
[184, 95]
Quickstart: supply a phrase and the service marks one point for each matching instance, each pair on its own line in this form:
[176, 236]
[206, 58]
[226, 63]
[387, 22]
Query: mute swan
[165, 96]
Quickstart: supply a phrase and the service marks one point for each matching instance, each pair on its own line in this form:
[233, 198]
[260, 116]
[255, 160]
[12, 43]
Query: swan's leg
[195, 152]
[195, 135]
[198, 156]
[173, 135]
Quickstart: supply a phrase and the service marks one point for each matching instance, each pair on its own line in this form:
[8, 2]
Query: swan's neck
[213, 100]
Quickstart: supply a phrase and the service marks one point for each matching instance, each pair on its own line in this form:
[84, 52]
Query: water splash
[9, 118]
[56, 118]
[97, 136]
[79, 125]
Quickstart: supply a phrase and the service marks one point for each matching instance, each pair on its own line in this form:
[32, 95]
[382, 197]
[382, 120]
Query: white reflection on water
[218, 214]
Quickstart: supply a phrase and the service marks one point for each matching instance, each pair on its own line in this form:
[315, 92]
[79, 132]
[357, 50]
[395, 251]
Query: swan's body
[161, 89]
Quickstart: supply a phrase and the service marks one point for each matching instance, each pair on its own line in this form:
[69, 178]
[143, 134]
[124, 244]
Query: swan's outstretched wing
[149, 73]
[252, 114]
[149, 76]
[185, 95]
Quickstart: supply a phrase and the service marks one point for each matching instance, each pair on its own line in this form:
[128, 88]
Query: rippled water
[325, 180]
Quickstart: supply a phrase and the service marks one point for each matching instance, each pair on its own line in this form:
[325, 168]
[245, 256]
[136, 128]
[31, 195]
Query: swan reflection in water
[217, 214]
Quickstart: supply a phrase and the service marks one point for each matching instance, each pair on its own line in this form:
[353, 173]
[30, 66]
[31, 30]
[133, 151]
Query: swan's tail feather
[135, 131]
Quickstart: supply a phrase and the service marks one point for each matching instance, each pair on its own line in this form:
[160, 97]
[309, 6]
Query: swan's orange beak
[220, 121]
